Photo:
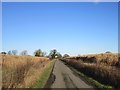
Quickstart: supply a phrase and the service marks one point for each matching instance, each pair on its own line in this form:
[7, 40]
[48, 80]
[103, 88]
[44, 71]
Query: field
[21, 71]
[101, 67]
[33, 72]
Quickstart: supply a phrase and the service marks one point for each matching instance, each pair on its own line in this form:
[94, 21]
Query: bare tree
[44, 54]
[53, 54]
[59, 55]
[14, 52]
[24, 53]
[9, 52]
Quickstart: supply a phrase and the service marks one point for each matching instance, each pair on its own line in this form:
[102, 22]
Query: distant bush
[12, 52]
[39, 53]
[24, 53]
[108, 52]
[3, 53]
[65, 55]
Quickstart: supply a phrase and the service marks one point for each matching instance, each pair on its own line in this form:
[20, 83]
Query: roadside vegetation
[25, 71]
[21, 71]
[90, 80]
[103, 67]
[44, 76]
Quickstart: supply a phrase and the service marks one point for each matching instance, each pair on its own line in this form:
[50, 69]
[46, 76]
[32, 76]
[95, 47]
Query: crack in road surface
[65, 78]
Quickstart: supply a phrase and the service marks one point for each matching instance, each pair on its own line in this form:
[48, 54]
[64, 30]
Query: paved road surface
[65, 78]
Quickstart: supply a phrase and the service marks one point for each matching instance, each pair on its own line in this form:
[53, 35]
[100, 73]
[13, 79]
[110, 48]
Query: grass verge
[40, 83]
[90, 80]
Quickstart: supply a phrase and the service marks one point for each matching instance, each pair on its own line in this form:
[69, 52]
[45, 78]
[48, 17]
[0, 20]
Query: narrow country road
[65, 78]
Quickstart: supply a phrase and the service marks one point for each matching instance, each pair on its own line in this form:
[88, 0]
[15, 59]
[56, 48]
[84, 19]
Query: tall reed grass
[21, 71]
[104, 68]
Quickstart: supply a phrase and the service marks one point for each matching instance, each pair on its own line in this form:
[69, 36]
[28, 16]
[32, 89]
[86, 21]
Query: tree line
[38, 53]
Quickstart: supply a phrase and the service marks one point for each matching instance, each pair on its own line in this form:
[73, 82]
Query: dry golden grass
[103, 58]
[102, 67]
[21, 71]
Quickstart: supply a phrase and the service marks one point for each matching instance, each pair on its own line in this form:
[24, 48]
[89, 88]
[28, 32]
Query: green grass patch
[90, 80]
[40, 83]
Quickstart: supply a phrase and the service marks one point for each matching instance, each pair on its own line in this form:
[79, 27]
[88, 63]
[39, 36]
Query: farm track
[63, 77]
